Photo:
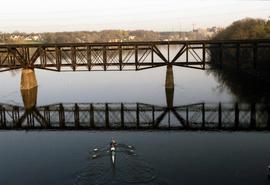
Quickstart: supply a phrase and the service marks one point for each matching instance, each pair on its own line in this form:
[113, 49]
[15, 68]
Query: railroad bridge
[120, 56]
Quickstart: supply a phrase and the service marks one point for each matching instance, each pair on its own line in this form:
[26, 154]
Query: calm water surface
[190, 158]
[191, 86]
[169, 157]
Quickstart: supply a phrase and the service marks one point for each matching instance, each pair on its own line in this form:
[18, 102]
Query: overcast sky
[157, 15]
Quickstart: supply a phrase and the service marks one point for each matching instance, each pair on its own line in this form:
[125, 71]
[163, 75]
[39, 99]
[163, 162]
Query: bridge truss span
[122, 56]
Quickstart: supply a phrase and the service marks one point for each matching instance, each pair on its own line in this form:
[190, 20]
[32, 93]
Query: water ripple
[127, 169]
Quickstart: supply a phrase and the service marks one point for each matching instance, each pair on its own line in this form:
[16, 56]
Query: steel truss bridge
[132, 116]
[121, 56]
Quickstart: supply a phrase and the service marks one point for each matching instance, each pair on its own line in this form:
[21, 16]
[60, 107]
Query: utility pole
[193, 27]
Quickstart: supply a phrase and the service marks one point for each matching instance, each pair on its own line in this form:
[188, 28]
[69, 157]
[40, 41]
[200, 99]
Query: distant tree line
[102, 36]
[98, 36]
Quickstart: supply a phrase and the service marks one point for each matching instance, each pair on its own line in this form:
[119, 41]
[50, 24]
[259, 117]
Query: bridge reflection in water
[125, 116]
[200, 116]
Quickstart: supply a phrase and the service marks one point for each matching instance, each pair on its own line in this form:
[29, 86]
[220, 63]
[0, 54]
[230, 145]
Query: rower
[113, 143]
[112, 147]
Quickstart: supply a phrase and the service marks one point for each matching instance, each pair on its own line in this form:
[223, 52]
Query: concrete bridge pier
[169, 86]
[29, 88]
[169, 83]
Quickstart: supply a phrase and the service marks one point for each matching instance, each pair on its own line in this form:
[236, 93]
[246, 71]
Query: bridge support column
[29, 88]
[169, 83]
[169, 86]
[28, 79]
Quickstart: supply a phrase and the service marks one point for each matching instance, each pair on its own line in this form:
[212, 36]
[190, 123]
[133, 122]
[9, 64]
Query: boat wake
[127, 169]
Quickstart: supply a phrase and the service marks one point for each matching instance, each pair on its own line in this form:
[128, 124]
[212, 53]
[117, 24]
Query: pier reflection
[129, 116]
[132, 116]
[29, 97]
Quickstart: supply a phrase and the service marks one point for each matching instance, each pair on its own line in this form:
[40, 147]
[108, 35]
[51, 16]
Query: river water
[162, 157]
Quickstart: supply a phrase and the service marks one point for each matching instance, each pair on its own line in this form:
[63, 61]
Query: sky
[95, 15]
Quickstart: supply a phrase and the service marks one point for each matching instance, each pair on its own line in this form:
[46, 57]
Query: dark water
[162, 157]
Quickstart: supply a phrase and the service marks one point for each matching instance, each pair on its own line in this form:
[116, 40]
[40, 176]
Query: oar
[126, 146]
[129, 146]
[94, 151]
[132, 152]
[99, 150]
[127, 151]
[94, 156]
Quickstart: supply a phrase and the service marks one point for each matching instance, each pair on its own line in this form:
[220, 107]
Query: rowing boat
[113, 154]
[111, 151]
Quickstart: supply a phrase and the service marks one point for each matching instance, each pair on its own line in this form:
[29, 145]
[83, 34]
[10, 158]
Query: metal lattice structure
[126, 116]
[120, 56]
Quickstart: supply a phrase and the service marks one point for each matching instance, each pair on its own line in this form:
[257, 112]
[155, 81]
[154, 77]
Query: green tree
[246, 29]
